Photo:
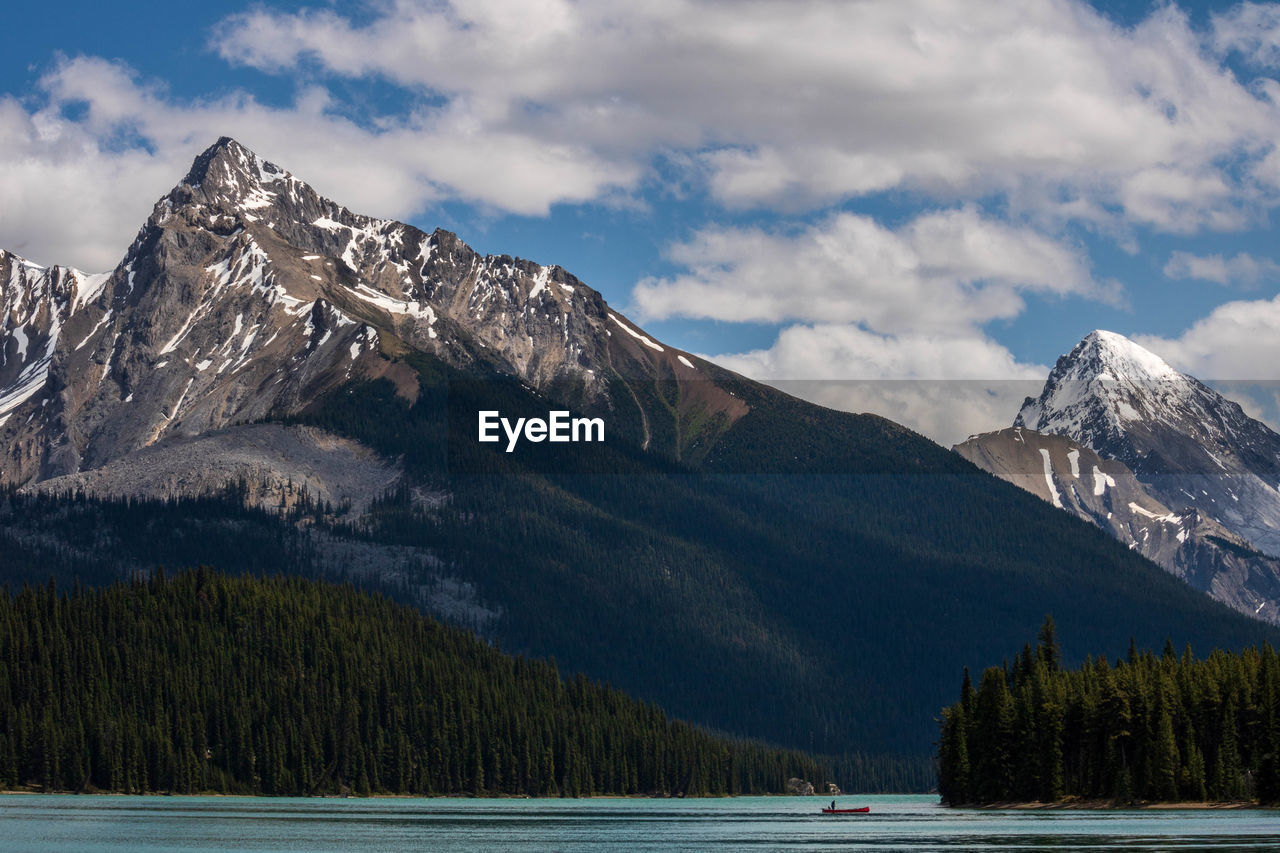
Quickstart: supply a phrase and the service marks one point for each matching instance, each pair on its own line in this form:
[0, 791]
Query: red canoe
[862, 810]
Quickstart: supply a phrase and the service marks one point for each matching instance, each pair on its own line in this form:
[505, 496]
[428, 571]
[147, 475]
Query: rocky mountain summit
[1190, 447]
[1187, 542]
[247, 295]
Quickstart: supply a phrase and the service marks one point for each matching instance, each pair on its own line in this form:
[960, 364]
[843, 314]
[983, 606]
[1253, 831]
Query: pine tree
[954, 769]
[993, 764]
[1047, 649]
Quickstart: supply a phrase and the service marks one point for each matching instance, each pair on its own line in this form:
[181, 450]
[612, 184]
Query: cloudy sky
[814, 193]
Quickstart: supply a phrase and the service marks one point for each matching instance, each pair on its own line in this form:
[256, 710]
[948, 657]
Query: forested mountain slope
[204, 683]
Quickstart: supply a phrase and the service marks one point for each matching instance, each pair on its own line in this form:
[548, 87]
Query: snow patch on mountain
[1101, 481]
[633, 333]
[1188, 543]
[1048, 478]
[35, 304]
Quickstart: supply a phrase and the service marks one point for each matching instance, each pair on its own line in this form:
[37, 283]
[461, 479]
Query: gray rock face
[799, 787]
[1187, 543]
[276, 466]
[35, 304]
[246, 294]
[1190, 447]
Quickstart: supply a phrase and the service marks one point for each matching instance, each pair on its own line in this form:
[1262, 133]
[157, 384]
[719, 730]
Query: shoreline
[455, 796]
[1112, 805]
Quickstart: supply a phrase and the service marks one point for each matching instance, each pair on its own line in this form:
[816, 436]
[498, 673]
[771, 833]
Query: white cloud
[945, 387]
[883, 321]
[72, 193]
[833, 351]
[808, 102]
[1252, 30]
[1243, 268]
[1046, 107]
[1236, 341]
[946, 412]
[946, 270]
[1236, 349]
[66, 199]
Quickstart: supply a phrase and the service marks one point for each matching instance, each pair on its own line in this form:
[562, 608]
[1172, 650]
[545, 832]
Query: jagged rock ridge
[246, 294]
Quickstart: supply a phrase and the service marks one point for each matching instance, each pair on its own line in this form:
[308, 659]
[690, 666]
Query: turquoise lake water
[68, 823]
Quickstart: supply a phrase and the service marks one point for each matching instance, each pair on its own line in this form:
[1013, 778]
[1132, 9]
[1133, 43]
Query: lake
[32, 823]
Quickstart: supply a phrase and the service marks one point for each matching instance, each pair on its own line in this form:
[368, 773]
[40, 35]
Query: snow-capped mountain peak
[1189, 445]
[1122, 359]
[1108, 383]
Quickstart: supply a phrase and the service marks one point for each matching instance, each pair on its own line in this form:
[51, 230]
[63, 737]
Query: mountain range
[246, 293]
[268, 382]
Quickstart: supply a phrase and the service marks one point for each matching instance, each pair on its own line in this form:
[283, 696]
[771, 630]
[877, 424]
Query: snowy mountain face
[1187, 543]
[34, 305]
[246, 294]
[1190, 447]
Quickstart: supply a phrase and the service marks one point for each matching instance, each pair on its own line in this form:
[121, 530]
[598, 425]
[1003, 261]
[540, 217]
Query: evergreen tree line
[864, 773]
[1149, 728]
[206, 683]
[723, 587]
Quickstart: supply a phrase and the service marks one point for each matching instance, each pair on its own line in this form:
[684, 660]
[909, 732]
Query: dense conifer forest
[205, 683]
[820, 598]
[1146, 728]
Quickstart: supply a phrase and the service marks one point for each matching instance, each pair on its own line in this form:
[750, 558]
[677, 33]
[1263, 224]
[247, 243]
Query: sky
[911, 207]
